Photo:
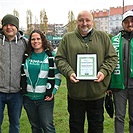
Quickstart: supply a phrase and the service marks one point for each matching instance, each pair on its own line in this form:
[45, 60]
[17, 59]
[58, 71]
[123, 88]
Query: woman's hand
[47, 98]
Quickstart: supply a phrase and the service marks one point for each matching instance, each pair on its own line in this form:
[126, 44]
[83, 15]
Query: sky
[56, 10]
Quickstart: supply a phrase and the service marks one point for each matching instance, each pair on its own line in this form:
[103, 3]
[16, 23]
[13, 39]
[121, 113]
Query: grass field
[61, 116]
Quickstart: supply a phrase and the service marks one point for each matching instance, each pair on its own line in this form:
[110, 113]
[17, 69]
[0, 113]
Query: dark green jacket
[98, 42]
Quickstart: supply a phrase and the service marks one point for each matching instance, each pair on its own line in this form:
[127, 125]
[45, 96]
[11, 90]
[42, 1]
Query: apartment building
[110, 20]
[101, 19]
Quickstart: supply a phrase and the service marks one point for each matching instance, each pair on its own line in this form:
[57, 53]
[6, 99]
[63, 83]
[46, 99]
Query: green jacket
[98, 42]
[38, 91]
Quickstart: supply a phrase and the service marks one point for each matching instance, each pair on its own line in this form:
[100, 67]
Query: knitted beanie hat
[127, 14]
[10, 19]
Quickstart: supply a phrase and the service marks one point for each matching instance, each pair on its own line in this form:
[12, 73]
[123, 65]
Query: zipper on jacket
[128, 64]
[10, 66]
[87, 47]
[30, 78]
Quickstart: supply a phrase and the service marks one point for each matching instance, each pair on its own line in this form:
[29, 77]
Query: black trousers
[79, 109]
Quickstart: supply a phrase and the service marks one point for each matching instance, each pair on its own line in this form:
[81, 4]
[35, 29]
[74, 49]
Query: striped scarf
[117, 79]
[51, 76]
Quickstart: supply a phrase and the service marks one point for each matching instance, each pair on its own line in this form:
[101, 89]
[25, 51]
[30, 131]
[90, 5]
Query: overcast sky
[56, 10]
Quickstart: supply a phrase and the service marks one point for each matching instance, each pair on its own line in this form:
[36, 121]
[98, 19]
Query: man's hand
[100, 77]
[73, 78]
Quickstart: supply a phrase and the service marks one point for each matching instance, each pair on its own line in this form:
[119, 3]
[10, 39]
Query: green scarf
[117, 79]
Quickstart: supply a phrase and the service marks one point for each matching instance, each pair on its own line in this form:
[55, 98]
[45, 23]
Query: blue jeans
[78, 109]
[14, 103]
[40, 115]
[120, 100]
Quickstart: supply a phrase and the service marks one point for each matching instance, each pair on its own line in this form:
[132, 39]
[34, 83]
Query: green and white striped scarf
[117, 79]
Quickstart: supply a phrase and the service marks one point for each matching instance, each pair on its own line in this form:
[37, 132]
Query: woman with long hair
[41, 88]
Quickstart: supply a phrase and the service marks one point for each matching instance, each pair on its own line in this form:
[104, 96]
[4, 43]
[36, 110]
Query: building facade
[110, 20]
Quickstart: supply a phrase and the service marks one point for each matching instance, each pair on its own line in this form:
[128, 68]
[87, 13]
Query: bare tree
[71, 21]
[29, 20]
[36, 23]
[15, 13]
[43, 21]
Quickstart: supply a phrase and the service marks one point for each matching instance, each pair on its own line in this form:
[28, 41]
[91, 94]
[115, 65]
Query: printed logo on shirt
[35, 62]
[48, 86]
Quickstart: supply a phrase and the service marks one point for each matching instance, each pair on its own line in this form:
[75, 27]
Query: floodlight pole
[123, 7]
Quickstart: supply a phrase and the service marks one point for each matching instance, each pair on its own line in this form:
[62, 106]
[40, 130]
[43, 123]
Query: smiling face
[36, 43]
[10, 31]
[128, 24]
[84, 22]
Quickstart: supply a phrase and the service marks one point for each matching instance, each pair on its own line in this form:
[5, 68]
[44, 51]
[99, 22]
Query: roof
[112, 11]
[100, 13]
[119, 10]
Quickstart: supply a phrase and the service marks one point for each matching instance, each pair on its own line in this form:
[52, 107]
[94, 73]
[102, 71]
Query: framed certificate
[86, 66]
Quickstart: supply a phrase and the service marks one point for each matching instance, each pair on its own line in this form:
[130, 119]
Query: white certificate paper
[86, 66]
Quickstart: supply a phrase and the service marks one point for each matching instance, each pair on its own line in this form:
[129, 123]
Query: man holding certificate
[86, 58]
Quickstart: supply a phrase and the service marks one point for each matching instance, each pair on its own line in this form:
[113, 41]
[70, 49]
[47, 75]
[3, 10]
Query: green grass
[61, 116]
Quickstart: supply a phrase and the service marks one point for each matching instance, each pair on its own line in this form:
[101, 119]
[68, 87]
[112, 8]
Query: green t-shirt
[34, 66]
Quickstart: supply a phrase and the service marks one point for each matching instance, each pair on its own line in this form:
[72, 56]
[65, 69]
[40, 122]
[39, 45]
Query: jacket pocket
[2, 77]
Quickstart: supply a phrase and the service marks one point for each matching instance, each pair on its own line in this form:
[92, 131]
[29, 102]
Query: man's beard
[86, 30]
